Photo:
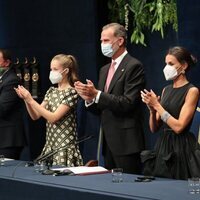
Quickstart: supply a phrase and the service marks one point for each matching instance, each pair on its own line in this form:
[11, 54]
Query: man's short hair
[6, 54]
[119, 30]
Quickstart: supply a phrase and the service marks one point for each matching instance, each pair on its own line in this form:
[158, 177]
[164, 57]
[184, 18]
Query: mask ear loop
[177, 69]
[182, 71]
[65, 70]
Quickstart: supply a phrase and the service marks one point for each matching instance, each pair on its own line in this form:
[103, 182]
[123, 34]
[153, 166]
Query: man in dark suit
[12, 137]
[118, 101]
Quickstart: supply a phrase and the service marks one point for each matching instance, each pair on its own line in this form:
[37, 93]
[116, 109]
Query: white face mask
[107, 49]
[56, 77]
[170, 72]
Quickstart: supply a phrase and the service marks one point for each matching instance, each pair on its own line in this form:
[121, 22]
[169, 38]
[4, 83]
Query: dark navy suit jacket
[121, 107]
[11, 112]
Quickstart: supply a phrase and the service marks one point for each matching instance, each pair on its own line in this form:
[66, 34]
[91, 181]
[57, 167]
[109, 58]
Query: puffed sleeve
[71, 98]
[47, 95]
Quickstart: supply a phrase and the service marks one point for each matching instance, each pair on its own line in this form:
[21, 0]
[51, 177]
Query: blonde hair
[68, 61]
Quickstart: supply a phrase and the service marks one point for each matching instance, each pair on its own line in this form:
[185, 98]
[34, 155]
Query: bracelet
[165, 116]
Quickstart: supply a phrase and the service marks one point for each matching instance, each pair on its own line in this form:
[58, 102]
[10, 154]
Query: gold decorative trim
[35, 77]
[27, 77]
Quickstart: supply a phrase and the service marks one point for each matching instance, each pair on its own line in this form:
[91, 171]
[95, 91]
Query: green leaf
[148, 15]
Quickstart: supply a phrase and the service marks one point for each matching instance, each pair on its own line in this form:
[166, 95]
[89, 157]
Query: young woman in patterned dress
[59, 109]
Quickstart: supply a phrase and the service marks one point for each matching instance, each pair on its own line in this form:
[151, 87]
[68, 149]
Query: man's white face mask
[108, 50]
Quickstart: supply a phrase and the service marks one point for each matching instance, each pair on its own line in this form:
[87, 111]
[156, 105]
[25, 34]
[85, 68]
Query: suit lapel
[103, 77]
[4, 77]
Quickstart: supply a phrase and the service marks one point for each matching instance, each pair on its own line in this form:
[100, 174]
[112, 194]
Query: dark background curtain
[46, 28]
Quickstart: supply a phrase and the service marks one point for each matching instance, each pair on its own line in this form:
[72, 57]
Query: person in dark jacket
[118, 101]
[12, 137]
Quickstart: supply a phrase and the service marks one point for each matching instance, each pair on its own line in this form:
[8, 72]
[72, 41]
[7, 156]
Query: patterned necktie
[110, 75]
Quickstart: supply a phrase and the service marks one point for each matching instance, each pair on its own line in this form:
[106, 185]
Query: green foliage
[144, 15]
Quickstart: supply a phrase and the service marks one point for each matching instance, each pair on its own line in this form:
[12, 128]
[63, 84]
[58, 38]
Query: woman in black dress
[177, 153]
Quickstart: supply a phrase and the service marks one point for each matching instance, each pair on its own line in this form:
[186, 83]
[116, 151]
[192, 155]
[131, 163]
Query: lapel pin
[122, 70]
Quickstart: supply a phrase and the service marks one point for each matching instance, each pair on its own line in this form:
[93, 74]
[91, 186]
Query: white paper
[7, 159]
[84, 169]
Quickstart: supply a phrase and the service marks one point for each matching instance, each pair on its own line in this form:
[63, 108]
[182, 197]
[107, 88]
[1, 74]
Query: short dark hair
[119, 30]
[6, 54]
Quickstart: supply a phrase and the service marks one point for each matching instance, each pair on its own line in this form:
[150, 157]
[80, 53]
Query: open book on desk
[84, 170]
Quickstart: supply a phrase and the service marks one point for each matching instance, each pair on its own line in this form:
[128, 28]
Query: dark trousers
[130, 164]
[11, 152]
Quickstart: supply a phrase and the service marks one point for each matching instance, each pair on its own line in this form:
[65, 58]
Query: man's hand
[87, 91]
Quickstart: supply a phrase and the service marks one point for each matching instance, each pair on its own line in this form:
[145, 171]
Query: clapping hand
[87, 91]
[150, 99]
[23, 93]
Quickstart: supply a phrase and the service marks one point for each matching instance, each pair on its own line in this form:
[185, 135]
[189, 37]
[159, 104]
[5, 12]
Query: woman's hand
[18, 92]
[150, 99]
[24, 94]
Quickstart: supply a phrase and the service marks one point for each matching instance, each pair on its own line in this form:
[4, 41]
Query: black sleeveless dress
[175, 156]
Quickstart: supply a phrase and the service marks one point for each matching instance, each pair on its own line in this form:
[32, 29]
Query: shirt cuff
[97, 97]
[87, 104]
[95, 100]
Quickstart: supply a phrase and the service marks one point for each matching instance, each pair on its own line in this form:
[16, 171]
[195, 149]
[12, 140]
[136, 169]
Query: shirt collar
[119, 59]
